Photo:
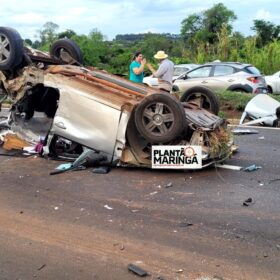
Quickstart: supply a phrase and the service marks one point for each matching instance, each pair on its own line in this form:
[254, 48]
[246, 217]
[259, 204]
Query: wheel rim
[5, 49]
[158, 119]
[201, 100]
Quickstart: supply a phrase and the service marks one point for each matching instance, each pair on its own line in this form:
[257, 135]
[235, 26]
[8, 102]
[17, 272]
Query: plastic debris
[137, 270]
[64, 166]
[108, 207]
[251, 168]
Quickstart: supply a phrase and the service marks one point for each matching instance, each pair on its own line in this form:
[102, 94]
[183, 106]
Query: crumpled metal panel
[262, 109]
[200, 118]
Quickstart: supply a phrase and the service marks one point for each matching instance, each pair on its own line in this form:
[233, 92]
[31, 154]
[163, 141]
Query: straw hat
[160, 55]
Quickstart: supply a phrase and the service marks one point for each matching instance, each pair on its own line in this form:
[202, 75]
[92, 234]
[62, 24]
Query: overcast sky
[124, 16]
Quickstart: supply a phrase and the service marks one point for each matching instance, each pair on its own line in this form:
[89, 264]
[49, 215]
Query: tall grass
[266, 59]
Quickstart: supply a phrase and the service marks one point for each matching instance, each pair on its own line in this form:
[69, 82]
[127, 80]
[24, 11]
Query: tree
[204, 27]
[190, 26]
[28, 42]
[266, 31]
[47, 34]
[68, 33]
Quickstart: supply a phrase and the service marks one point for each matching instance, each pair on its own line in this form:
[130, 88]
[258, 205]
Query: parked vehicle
[179, 69]
[86, 107]
[273, 83]
[216, 76]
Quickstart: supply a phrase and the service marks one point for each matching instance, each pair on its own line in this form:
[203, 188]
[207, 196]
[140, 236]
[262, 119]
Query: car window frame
[195, 69]
[214, 68]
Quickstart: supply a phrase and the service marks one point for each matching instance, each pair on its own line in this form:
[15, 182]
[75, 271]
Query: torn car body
[263, 110]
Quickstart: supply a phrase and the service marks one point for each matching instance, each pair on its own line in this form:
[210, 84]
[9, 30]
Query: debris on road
[41, 267]
[261, 138]
[108, 207]
[153, 193]
[239, 131]
[137, 270]
[87, 159]
[101, 170]
[169, 185]
[248, 202]
[179, 271]
[185, 224]
[13, 142]
[251, 168]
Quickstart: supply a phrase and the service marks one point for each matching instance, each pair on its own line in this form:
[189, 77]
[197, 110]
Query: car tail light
[253, 80]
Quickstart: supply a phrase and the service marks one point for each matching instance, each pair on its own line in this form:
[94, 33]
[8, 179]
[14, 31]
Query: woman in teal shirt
[136, 68]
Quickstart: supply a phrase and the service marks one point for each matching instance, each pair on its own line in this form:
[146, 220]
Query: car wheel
[160, 118]
[269, 89]
[66, 50]
[11, 48]
[203, 97]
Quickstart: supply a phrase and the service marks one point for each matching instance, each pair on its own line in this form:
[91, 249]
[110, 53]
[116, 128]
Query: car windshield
[180, 70]
[252, 70]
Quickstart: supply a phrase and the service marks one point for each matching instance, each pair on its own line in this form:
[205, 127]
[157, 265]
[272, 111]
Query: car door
[196, 77]
[222, 77]
[277, 82]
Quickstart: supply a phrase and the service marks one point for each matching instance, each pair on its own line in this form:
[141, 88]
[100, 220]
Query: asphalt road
[80, 225]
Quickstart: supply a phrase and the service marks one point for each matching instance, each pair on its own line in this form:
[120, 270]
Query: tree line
[203, 37]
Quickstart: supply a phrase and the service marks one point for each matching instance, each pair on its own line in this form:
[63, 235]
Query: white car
[273, 83]
[178, 71]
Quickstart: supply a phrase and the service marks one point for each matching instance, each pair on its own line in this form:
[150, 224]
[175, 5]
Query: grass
[236, 101]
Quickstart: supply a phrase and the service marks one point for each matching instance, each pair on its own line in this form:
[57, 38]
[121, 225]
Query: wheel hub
[157, 119]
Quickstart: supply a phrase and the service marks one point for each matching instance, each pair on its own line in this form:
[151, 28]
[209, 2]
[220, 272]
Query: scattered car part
[137, 270]
[261, 109]
[203, 97]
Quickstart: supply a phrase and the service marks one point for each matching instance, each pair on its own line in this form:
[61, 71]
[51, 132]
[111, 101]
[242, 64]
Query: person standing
[165, 71]
[136, 68]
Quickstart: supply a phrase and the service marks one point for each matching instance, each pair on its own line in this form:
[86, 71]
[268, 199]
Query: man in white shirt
[165, 71]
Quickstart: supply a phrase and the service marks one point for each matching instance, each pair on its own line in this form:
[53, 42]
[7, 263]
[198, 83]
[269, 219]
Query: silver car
[217, 76]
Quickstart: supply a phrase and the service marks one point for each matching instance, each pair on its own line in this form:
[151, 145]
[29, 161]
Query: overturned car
[88, 108]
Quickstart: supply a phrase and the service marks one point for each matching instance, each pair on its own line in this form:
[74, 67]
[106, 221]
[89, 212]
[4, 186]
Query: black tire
[69, 47]
[11, 49]
[269, 89]
[160, 118]
[206, 98]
